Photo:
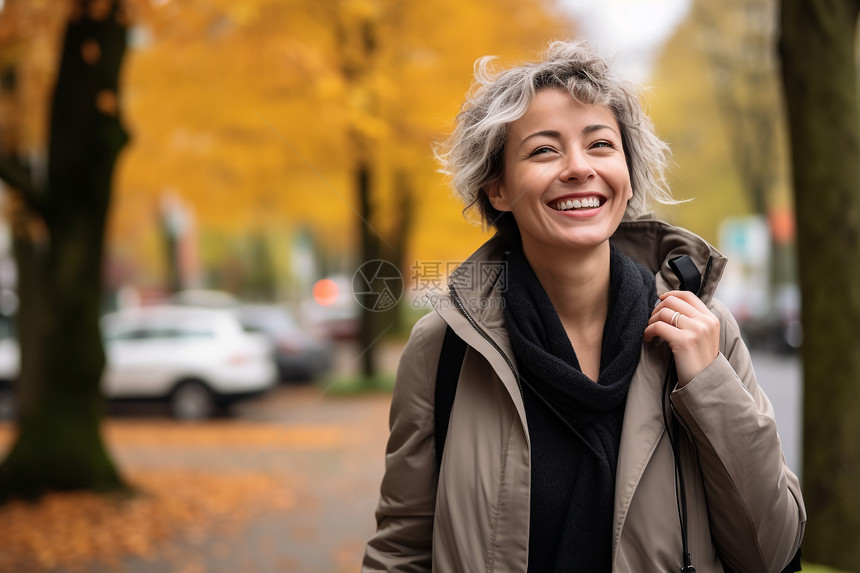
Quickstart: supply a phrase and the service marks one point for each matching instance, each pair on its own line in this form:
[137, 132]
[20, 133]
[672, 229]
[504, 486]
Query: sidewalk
[290, 484]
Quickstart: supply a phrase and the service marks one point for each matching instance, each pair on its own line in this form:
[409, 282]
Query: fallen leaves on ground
[224, 433]
[76, 529]
[204, 487]
[217, 433]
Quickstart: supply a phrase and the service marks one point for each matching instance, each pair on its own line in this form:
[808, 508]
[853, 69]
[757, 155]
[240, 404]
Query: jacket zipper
[456, 298]
[486, 337]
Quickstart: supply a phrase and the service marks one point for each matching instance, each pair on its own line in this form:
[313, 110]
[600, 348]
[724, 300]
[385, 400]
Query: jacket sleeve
[755, 506]
[404, 516]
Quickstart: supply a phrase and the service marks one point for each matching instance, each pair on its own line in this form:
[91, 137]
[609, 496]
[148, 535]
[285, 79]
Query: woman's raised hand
[691, 330]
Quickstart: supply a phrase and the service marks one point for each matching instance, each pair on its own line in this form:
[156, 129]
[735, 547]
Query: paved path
[336, 490]
[780, 377]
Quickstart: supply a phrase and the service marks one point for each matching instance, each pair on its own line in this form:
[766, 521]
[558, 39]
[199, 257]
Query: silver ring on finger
[676, 318]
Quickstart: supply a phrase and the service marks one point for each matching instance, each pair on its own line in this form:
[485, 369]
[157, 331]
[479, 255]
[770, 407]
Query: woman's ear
[497, 196]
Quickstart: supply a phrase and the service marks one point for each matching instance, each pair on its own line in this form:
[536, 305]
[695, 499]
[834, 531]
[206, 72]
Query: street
[330, 452]
[780, 377]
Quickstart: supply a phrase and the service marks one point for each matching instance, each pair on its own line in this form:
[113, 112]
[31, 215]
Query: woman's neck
[577, 282]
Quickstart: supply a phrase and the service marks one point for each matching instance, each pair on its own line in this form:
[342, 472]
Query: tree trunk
[59, 445]
[369, 322]
[820, 82]
[396, 251]
[171, 257]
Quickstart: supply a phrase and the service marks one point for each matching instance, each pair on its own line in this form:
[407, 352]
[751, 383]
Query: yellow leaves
[329, 87]
[196, 104]
[361, 100]
[243, 13]
[223, 434]
[359, 9]
[77, 529]
[365, 125]
[171, 506]
[689, 114]
[185, 140]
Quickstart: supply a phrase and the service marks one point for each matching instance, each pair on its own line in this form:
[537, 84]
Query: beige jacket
[742, 500]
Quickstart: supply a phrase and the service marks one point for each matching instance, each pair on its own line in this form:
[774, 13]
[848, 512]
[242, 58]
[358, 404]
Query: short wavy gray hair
[473, 156]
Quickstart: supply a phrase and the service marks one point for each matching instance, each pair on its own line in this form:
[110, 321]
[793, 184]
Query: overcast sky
[629, 31]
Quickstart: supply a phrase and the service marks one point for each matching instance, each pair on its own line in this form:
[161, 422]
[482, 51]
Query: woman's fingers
[669, 315]
[683, 301]
[691, 330]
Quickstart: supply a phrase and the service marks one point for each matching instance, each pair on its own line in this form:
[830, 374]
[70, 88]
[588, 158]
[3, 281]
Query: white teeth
[589, 203]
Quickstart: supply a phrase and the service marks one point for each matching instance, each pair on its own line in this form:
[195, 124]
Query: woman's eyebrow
[543, 133]
[597, 127]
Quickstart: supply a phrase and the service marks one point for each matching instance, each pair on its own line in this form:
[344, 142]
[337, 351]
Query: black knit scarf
[573, 476]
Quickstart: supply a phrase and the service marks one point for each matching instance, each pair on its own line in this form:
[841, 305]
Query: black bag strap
[794, 565]
[687, 272]
[447, 376]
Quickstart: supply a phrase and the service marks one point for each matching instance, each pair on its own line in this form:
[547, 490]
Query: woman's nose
[576, 167]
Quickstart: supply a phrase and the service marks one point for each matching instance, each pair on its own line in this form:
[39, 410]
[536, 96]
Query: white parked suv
[196, 358]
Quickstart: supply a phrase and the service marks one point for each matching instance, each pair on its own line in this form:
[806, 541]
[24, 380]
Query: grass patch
[358, 385]
[810, 568]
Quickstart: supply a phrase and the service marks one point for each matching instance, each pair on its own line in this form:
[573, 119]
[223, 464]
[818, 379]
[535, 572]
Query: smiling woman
[562, 152]
[563, 449]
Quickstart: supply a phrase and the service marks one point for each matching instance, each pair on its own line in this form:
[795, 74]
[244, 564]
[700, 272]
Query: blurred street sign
[745, 285]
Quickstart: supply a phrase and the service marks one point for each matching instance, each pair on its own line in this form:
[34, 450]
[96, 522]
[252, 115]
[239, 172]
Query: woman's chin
[580, 241]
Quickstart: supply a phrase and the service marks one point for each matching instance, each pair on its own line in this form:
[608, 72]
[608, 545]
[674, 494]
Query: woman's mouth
[577, 204]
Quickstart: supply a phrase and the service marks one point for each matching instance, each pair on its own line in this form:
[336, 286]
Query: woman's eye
[603, 143]
[541, 151]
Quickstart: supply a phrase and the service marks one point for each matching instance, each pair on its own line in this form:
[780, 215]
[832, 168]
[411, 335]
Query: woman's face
[565, 176]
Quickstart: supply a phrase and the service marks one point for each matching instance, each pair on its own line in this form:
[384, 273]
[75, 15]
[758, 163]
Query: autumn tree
[687, 113]
[377, 42]
[358, 28]
[737, 38]
[819, 74]
[738, 41]
[58, 249]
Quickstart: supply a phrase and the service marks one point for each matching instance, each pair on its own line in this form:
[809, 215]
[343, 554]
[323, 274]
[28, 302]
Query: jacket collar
[648, 241]
[653, 243]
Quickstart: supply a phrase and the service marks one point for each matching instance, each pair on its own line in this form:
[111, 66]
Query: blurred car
[779, 328]
[335, 314]
[300, 355]
[197, 359]
[203, 298]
